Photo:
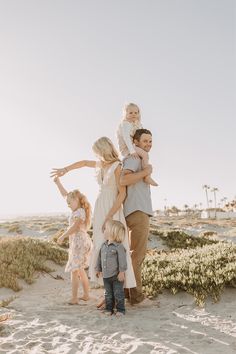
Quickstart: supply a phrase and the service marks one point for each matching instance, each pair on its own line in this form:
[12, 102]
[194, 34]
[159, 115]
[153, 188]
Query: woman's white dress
[108, 192]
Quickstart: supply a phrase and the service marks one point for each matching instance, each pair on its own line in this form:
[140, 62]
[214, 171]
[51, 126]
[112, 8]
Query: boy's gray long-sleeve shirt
[111, 259]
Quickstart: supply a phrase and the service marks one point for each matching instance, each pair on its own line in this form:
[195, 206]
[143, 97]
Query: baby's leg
[143, 154]
[75, 287]
[145, 161]
[85, 284]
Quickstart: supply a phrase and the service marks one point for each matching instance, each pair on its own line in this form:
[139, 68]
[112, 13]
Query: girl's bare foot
[150, 181]
[84, 298]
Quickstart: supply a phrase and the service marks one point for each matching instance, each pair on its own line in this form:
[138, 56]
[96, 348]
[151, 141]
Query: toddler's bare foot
[150, 181]
[84, 298]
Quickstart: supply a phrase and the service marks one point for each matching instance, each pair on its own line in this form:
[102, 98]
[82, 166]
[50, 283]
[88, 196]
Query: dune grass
[21, 257]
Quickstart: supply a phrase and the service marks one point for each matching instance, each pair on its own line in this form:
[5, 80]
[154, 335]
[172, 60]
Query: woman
[109, 200]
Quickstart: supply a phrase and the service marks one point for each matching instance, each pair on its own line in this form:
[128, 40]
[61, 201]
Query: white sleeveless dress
[107, 195]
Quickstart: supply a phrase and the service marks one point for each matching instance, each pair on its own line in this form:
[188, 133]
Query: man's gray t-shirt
[138, 194]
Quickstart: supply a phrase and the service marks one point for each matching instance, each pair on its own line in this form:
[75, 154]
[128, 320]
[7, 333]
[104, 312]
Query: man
[137, 208]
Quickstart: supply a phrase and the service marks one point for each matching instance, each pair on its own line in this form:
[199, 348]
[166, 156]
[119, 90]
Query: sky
[67, 67]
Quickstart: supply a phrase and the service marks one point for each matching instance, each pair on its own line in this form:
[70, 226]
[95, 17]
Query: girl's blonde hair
[129, 105]
[105, 149]
[116, 230]
[83, 203]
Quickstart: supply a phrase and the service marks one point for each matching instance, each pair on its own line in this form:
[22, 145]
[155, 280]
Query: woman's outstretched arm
[58, 172]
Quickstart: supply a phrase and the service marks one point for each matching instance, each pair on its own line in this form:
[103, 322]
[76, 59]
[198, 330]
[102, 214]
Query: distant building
[218, 215]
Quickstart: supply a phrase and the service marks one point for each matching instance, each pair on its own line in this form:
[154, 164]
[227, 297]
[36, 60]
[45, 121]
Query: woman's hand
[98, 274]
[121, 276]
[104, 224]
[58, 172]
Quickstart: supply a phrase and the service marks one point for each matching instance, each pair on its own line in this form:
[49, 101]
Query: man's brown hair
[140, 132]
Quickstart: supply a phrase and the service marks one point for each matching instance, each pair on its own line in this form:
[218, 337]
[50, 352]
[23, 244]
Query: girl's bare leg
[85, 284]
[75, 287]
[145, 161]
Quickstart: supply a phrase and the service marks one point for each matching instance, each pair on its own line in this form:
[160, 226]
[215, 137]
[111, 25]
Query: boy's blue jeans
[114, 294]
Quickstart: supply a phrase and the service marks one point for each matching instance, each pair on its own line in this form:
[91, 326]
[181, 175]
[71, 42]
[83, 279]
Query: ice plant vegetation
[179, 239]
[201, 271]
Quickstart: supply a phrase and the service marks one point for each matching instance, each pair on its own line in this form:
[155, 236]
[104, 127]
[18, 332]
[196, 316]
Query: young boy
[113, 264]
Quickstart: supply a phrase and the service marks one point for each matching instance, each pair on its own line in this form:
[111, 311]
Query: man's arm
[129, 177]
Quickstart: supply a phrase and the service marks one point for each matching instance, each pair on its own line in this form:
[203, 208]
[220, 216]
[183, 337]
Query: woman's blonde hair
[116, 230]
[105, 149]
[129, 105]
[83, 203]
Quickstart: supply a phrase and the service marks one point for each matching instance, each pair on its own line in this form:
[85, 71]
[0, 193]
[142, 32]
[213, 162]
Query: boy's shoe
[107, 313]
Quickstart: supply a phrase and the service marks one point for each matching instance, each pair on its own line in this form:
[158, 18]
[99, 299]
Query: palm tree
[186, 208]
[210, 202]
[165, 206]
[206, 187]
[214, 190]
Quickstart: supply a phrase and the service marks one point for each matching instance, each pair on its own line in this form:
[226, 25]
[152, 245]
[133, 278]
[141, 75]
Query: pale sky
[68, 67]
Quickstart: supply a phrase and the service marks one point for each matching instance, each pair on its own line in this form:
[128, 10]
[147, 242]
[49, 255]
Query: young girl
[112, 264]
[80, 244]
[130, 123]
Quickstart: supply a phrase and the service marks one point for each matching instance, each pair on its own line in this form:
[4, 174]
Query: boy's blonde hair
[129, 105]
[105, 149]
[82, 203]
[116, 230]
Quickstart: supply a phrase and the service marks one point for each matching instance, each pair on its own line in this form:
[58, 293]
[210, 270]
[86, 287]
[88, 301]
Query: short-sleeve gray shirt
[138, 194]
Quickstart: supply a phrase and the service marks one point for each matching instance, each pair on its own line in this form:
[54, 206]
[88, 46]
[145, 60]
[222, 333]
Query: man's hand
[135, 155]
[121, 276]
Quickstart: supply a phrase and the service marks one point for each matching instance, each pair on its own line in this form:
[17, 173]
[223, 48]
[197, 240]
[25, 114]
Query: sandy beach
[42, 321]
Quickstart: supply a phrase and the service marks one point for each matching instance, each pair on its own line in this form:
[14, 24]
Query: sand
[41, 321]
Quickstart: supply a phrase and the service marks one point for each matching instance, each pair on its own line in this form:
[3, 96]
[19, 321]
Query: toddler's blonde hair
[116, 230]
[129, 105]
[105, 149]
[82, 203]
